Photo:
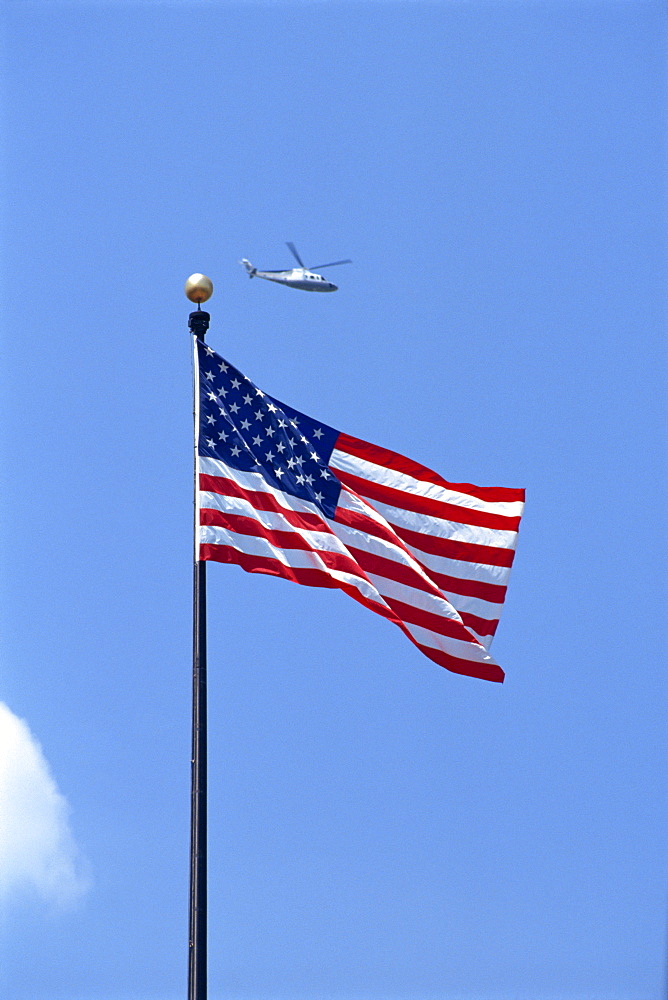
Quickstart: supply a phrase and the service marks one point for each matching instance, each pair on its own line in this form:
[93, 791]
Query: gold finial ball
[198, 288]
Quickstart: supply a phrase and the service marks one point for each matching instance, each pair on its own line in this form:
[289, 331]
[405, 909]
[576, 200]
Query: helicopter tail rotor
[249, 267]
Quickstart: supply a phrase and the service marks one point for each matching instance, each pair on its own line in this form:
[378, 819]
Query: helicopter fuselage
[298, 277]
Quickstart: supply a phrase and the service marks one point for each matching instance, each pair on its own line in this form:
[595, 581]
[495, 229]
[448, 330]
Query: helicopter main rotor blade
[293, 250]
[318, 267]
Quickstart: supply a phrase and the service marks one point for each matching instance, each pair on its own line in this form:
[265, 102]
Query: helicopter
[301, 277]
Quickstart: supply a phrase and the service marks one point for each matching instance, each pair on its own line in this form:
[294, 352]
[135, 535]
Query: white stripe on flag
[296, 558]
[401, 481]
[454, 647]
[454, 530]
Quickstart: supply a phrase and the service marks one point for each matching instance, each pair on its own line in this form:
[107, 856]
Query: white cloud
[38, 855]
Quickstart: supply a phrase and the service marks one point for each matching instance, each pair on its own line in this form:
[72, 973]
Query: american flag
[283, 494]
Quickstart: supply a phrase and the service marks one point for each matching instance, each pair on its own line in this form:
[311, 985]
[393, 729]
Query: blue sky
[379, 828]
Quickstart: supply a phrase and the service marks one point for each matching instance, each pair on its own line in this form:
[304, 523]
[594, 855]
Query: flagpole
[198, 289]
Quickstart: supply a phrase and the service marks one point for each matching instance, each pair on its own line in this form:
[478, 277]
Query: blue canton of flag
[251, 431]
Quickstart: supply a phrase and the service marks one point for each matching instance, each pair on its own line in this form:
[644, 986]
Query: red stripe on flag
[483, 671]
[492, 592]
[368, 525]
[399, 463]
[260, 501]
[284, 540]
[296, 574]
[391, 570]
[481, 626]
[247, 525]
[428, 619]
[426, 505]
[488, 555]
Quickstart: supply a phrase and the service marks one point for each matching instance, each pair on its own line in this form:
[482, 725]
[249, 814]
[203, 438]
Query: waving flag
[283, 494]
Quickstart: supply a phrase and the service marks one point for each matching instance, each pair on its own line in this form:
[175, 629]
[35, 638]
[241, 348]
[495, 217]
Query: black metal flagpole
[198, 289]
[198, 825]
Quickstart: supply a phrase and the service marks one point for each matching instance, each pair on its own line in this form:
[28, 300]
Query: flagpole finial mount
[198, 288]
